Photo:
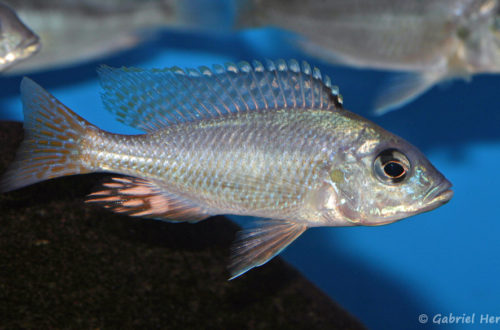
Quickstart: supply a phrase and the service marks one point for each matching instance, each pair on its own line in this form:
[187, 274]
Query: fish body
[77, 31]
[17, 41]
[429, 41]
[267, 141]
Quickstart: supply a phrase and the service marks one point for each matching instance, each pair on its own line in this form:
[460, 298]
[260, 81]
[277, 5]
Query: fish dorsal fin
[143, 198]
[150, 99]
[258, 244]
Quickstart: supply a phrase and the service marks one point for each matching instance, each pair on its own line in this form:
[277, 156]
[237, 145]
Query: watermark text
[464, 318]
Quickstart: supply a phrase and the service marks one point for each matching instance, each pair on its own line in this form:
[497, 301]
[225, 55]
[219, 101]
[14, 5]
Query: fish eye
[391, 166]
[394, 169]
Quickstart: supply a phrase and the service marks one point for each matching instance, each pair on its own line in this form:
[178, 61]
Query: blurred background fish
[74, 31]
[430, 41]
[17, 41]
[424, 42]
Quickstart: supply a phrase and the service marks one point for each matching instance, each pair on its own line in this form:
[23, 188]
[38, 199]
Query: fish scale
[188, 168]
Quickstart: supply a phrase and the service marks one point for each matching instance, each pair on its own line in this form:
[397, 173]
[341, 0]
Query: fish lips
[437, 196]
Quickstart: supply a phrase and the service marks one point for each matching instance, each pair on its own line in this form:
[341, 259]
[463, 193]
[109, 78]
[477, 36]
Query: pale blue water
[442, 262]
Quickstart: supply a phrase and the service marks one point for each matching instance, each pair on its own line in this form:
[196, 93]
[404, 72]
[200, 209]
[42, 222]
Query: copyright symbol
[423, 318]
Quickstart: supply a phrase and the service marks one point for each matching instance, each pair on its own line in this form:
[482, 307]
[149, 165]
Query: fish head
[17, 41]
[382, 179]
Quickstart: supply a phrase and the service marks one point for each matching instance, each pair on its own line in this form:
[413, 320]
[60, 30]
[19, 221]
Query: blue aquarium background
[441, 262]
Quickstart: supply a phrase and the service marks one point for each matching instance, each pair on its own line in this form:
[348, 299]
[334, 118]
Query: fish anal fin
[403, 88]
[260, 243]
[142, 198]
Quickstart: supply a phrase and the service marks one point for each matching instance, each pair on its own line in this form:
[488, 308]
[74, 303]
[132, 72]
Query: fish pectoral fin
[144, 198]
[403, 88]
[258, 244]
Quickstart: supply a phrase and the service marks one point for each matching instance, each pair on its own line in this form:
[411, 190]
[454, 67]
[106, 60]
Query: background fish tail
[51, 140]
[404, 88]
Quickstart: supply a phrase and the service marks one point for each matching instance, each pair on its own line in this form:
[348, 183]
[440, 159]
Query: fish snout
[438, 195]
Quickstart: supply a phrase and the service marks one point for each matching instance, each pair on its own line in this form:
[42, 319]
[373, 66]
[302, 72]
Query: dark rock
[65, 264]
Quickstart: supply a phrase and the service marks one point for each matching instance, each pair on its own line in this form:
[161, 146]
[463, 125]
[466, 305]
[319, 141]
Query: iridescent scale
[260, 164]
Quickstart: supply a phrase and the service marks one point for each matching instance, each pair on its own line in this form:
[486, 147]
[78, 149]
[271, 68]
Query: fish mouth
[434, 198]
[29, 46]
[437, 196]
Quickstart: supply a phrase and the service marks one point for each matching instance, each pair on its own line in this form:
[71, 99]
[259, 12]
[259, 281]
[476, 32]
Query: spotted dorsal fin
[150, 99]
[143, 198]
[258, 244]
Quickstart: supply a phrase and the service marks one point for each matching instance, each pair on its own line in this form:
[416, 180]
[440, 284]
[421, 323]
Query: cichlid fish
[74, 31]
[17, 41]
[427, 41]
[267, 141]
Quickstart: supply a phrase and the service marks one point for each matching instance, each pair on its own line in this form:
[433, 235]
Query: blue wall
[445, 261]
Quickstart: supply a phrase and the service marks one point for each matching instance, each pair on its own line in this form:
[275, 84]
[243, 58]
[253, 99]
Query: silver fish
[17, 41]
[76, 31]
[429, 41]
[270, 141]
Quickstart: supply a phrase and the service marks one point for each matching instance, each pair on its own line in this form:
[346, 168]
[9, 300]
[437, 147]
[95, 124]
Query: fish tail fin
[50, 147]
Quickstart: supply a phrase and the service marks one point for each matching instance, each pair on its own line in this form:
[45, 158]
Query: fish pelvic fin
[50, 147]
[260, 243]
[404, 88]
[143, 198]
